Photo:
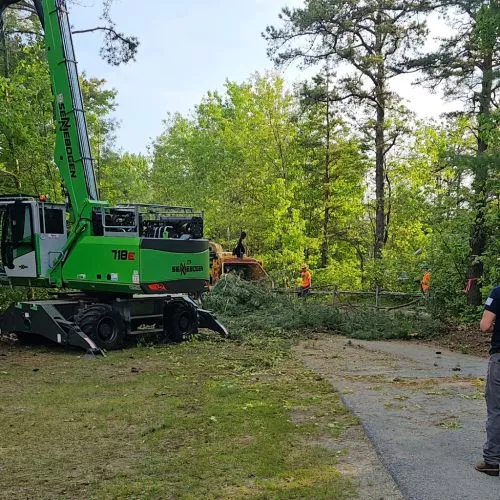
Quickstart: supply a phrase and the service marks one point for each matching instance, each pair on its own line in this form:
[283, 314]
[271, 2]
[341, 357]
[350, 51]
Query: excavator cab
[33, 234]
[18, 248]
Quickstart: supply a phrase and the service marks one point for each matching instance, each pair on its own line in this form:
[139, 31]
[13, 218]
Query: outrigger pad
[94, 353]
[207, 320]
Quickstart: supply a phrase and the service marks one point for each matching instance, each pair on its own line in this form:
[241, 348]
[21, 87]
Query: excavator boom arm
[72, 152]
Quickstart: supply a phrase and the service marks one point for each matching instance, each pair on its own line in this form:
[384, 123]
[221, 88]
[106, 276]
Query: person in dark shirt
[491, 450]
[239, 249]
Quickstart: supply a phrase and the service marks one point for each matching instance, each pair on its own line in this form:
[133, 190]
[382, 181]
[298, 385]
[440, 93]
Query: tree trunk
[379, 151]
[379, 181]
[324, 245]
[361, 258]
[327, 192]
[478, 234]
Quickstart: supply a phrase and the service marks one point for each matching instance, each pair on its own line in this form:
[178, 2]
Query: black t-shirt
[493, 304]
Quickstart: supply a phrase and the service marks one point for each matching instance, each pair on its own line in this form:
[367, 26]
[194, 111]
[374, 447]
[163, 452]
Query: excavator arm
[72, 151]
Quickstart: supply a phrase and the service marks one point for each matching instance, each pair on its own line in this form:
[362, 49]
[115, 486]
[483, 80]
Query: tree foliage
[117, 47]
[27, 131]
[371, 37]
[467, 64]
[334, 172]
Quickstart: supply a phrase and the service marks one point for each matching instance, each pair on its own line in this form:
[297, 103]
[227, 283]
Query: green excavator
[128, 270]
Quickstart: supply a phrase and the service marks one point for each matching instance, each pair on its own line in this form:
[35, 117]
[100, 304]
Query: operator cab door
[18, 240]
[53, 235]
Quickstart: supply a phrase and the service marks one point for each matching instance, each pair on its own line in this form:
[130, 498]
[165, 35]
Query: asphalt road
[421, 406]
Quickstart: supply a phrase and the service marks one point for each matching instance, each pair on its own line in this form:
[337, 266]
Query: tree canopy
[335, 171]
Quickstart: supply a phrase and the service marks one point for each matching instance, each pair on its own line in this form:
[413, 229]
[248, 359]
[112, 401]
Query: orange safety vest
[306, 279]
[426, 281]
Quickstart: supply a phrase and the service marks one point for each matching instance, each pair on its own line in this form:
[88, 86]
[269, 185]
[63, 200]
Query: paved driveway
[422, 407]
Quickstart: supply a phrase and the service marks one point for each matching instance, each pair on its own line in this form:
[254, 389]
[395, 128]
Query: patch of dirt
[362, 465]
[467, 339]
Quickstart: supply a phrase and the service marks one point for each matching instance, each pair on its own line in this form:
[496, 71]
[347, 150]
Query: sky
[187, 48]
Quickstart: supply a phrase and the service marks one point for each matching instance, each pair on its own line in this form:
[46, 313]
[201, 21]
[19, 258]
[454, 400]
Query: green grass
[203, 419]
[451, 424]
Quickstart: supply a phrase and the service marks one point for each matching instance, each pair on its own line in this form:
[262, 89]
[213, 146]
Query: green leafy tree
[468, 65]
[237, 158]
[371, 37]
[27, 127]
[446, 213]
[333, 173]
[125, 178]
[26, 134]
[100, 103]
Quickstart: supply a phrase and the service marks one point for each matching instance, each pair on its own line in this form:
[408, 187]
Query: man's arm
[487, 321]
[491, 309]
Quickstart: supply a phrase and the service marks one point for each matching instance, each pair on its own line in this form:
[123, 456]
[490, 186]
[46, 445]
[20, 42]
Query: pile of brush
[245, 305]
[247, 308]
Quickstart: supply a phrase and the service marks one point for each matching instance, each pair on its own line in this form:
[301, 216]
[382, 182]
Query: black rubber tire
[104, 326]
[180, 321]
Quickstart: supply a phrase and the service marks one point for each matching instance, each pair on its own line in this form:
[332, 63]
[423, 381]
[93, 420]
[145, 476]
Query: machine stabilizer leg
[207, 320]
[45, 319]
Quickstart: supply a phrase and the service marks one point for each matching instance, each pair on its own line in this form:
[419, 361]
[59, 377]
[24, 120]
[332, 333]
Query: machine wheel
[104, 326]
[180, 320]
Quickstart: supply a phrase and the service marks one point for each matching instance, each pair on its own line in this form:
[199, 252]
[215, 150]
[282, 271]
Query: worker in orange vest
[306, 281]
[425, 282]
